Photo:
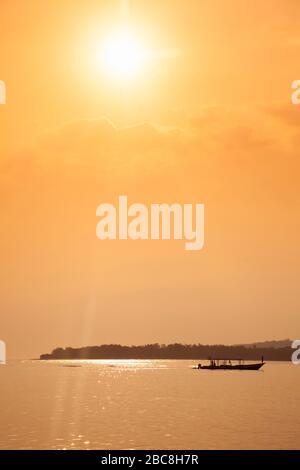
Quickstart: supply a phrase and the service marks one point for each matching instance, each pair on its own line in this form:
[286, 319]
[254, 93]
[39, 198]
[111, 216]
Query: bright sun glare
[123, 56]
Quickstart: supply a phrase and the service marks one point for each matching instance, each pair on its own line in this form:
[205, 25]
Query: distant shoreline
[276, 352]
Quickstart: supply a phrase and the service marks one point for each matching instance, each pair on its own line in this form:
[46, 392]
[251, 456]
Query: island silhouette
[270, 350]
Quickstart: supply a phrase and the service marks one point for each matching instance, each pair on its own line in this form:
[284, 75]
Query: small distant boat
[230, 364]
[71, 365]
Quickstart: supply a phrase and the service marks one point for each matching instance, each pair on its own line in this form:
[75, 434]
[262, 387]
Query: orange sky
[212, 123]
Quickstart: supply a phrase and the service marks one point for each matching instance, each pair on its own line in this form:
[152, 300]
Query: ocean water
[147, 405]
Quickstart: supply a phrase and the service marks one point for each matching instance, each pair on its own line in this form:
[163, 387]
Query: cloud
[288, 114]
[102, 136]
[219, 147]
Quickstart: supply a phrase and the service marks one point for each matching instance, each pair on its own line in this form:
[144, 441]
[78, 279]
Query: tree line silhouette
[171, 351]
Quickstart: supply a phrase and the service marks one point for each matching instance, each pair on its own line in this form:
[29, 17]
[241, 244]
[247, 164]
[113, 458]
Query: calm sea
[147, 405]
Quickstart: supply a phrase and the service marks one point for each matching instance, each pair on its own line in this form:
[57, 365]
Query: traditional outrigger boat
[228, 364]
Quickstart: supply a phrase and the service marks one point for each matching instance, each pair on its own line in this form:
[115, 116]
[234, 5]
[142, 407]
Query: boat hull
[234, 367]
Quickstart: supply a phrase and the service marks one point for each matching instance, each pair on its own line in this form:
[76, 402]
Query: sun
[123, 56]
